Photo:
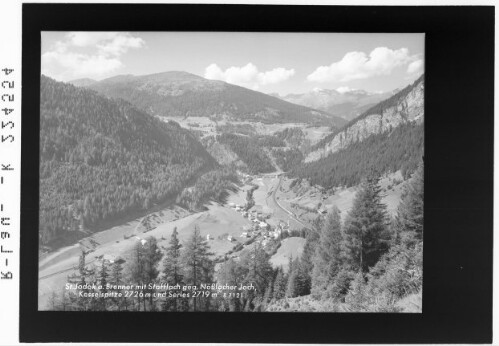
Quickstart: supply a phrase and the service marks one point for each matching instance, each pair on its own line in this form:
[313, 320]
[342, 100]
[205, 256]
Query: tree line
[188, 264]
[147, 263]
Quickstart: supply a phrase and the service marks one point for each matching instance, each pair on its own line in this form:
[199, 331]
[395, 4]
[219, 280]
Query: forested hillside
[249, 151]
[287, 158]
[181, 94]
[402, 148]
[102, 159]
[293, 136]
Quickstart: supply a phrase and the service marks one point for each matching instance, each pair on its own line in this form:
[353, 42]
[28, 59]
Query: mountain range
[346, 104]
[182, 94]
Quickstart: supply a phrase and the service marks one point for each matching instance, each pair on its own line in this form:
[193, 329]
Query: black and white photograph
[231, 172]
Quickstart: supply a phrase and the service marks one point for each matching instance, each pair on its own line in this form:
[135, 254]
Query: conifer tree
[400, 271]
[103, 280]
[53, 302]
[357, 296]
[135, 269]
[231, 273]
[257, 272]
[267, 297]
[116, 278]
[297, 281]
[409, 219]
[172, 273]
[280, 284]
[198, 266]
[81, 267]
[327, 259]
[82, 303]
[64, 303]
[307, 259]
[366, 230]
[152, 256]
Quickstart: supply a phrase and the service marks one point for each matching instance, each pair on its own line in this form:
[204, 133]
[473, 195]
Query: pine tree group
[366, 263]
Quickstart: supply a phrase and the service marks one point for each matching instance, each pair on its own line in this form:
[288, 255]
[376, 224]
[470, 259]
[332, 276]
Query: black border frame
[459, 107]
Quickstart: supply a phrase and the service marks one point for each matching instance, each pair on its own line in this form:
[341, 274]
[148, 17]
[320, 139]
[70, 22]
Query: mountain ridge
[182, 94]
[82, 82]
[347, 104]
[407, 105]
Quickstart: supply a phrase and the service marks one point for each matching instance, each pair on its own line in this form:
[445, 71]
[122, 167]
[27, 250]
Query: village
[264, 229]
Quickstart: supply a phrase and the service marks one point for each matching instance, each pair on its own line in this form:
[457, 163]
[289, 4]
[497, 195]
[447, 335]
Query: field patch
[290, 247]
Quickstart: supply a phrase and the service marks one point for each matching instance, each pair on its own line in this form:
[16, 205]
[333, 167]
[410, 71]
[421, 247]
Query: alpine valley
[313, 200]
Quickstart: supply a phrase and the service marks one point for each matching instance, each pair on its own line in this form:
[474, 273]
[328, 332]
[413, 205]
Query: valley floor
[223, 225]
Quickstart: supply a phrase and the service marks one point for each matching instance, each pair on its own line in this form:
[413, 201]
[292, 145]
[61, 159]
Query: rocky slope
[404, 107]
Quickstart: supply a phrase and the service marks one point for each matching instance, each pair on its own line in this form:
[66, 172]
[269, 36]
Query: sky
[280, 63]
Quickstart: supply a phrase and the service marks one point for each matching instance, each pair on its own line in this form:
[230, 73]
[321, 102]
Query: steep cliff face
[405, 106]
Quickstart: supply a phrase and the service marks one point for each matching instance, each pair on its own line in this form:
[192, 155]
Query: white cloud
[88, 38]
[344, 89]
[415, 67]
[248, 75]
[213, 72]
[80, 65]
[359, 65]
[276, 75]
[88, 54]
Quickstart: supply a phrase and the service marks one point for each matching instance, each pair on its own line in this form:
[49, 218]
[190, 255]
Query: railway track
[290, 213]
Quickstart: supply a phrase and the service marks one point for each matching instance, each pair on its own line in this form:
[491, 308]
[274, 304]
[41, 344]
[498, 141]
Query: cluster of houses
[109, 259]
[254, 215]
[260, 226]
[274, 233]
